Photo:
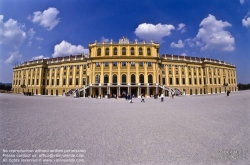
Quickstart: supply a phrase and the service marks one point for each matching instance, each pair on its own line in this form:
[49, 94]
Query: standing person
[162, 97]
[172, 93]
[142, 98]
[130, 96]
[228, 92]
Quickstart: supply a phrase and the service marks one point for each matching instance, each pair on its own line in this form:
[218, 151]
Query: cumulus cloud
[11, 32]
[213, 36]
[181, 27]
[14, 58]
[180, 44]
[153, 32]
[38, 57]
[241, 1]
[65, 49]
[47, 18]
[246, 20]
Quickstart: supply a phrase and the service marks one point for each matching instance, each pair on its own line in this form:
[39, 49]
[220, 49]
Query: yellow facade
[124, 67]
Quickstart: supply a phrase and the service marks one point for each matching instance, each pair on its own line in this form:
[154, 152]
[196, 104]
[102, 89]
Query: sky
[218, 29]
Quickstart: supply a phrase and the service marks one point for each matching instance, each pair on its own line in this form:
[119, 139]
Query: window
[132, 79]
[47, 82]
[170, 72]
[98, 64]
[204, 82]
[70, 81]
[210, 80]
[132, 51]
[106, 79]
[99, 52]
[190, 81]
[195, 81]
[37, 82]
[115, 51]
[114, 79]
[57, 81]
[150, 79]
[169, 66]
[52, 83]
[149, 64]
[177, 81]
[163, 81]
[123, 51]
[107, 51]
[148, 51]
[32, 82]
[123, 63]
[141, 79]
[170, 81]
[43, 82]
[182, 72]
[84, 66]
[140, 63]
[200, 81]
[124, 79]
[214, 80]
[163, 72]
[58, 68]
[84, 81]
[106, 64]
[183, 81]
[84, 72]
[70, 73]
[77, 81]
[176, 72]
[97, 79]
[77, 66]
[140, 51]
[71, 67]
[219, 80]
[132, 63]
[114, 63]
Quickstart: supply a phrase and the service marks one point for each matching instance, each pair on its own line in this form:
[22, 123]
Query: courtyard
[205, 129]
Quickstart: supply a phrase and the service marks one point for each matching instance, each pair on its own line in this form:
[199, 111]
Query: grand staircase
[177, 91]
[71, 92]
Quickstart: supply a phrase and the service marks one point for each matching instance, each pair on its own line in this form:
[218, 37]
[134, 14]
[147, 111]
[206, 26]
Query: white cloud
[38, 57]
[11, 32]
[14, 58]
[153, 32]
[39, 39]
[241, 1]
[180, 44]
[191, 42]
[213, 35]
[181, 27]
[31, 33]
[29, 43]
[65, 49]
[246, 20]
[184, 54]
[47, 18]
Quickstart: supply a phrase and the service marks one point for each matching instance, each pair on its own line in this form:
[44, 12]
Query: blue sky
[217, 29]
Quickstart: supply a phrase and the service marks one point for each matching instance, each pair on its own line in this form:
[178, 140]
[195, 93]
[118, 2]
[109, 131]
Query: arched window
[150, 79]
[148, 51]
[140, 51]
[132, 79]
[98, 51]
[115, 51]
[123, 51]
[107, 51]
[142, 79]
[124, 79]
[106, 79]
[114, 79]
[132, 51]
[97, 79]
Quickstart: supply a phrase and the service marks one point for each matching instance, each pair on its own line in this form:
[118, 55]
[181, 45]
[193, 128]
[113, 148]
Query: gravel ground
[205, 129]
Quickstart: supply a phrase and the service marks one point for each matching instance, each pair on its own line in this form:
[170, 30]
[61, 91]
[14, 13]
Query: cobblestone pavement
[184, 130]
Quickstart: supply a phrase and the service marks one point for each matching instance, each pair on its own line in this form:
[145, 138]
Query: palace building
[124, 67]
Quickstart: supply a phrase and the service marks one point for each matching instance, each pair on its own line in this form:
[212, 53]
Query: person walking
[131, 97]
[228, 92]
[162, 97]
[142, 98]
